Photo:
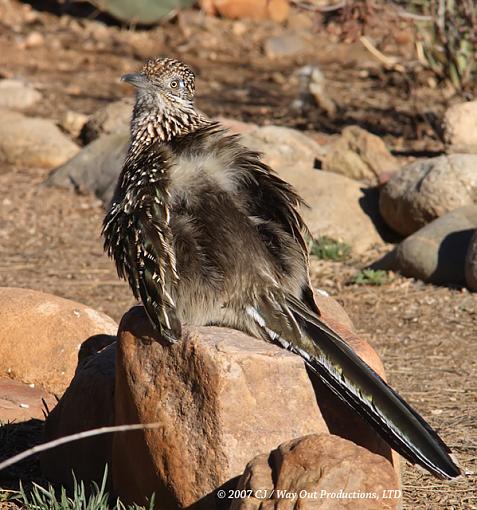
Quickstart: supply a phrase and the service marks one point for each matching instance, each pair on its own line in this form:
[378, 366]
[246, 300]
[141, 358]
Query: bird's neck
[163, 124]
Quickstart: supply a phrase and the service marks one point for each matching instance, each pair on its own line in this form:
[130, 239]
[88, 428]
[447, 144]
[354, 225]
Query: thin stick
[387, 61]
[75, 437]
[316, 8]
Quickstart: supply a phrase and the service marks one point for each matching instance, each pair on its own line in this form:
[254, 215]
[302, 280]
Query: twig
[402, 13]
[316, 8]
[75, 437]
[387, 61]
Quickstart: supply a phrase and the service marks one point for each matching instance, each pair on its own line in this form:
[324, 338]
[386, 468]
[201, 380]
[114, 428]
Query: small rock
[41, 335]
[96, 168]
[32, 141]
[428, 189]
[88, 403]
[276, 10]
[17, 95]
[113, 118]
[73, 122]
[33, 40]
[301, 20]
[471, 263]
[239, 28]
[359, 155]
[437, 252]
[460, 128]
[322, 471]
[22, 402]
[281, 46]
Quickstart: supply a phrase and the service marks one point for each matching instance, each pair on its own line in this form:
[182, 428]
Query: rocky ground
[50, 237]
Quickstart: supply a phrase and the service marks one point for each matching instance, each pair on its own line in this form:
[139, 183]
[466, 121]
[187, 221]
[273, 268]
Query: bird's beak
[138, 80]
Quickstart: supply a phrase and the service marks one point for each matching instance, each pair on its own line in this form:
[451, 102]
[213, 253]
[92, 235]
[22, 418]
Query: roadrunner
[207, 234]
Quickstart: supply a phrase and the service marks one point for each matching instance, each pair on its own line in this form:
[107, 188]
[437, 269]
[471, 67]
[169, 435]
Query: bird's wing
[268, 196]
[354, 382]
[137, 235]
[272, 198]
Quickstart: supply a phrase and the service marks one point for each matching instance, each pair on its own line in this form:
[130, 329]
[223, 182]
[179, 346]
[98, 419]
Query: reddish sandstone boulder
[22, 402]
[87, 404]
[41, 334]
[276, 10]
[221, 398]
[318, 472]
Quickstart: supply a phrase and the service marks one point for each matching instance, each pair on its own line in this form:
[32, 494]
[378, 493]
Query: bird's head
[165, 101]
[164, 82]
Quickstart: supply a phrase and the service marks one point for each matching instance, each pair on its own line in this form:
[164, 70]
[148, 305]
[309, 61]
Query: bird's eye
[174, 84]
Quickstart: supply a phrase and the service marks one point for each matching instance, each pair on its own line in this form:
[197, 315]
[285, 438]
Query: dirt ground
[50, 238]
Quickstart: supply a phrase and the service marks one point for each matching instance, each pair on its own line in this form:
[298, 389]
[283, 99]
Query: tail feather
[359, 386]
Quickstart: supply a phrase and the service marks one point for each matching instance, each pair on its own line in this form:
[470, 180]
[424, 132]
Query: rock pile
[433, 201]
[220, 398]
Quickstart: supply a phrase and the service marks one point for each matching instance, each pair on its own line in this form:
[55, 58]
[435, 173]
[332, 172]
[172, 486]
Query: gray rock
[460, 128]
[32, 141]
[471, 263]
[96, 168]
[113, 118]
[437, 252]
[428, 189]
[17, 95]
[340, 208]
[284, 46]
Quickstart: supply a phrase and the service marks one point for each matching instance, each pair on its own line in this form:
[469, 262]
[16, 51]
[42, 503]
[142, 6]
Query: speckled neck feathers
[163, 123]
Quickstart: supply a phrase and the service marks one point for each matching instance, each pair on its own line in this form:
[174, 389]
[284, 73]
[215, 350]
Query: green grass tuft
[371, 277]
[326, 248]
[39, 498]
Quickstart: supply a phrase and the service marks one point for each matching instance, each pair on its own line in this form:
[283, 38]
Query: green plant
[448, 38]
[39, 498]
[6, 495]
[140, 11]
[326, 248]
[371, 277]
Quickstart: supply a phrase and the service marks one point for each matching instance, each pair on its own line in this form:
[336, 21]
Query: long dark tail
[359, 386]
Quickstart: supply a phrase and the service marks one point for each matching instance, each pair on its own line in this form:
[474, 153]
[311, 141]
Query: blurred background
[376, 98]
